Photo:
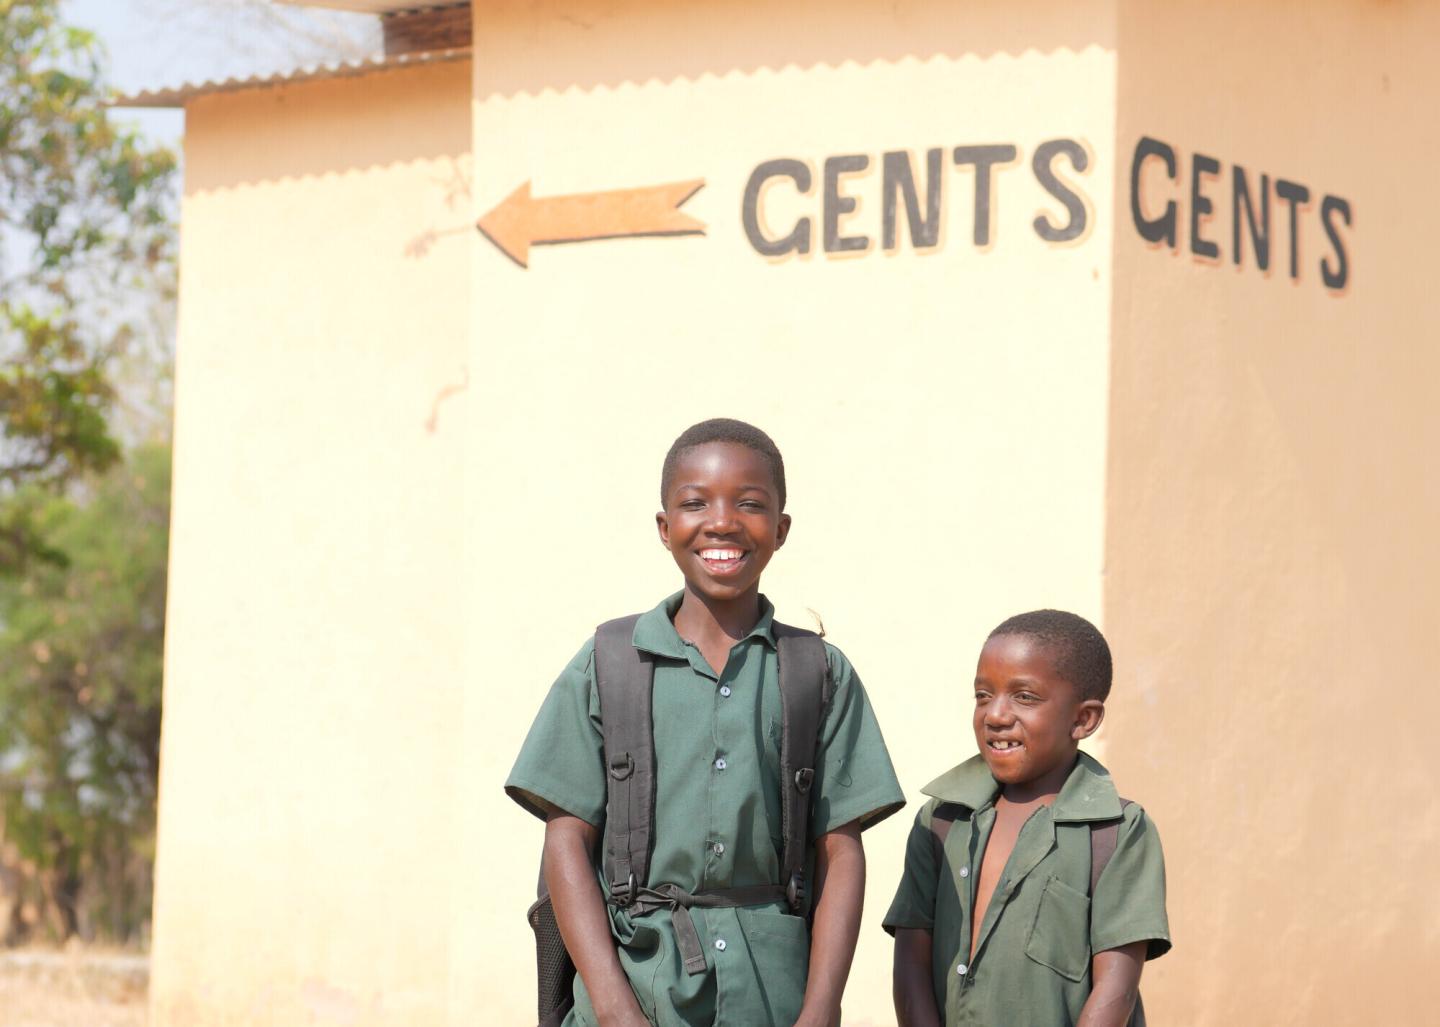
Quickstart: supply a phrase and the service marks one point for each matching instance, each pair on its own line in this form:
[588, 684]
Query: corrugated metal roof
[178, 96]
[371, 6]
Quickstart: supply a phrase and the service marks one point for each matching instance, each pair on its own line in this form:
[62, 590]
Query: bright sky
[153, 43]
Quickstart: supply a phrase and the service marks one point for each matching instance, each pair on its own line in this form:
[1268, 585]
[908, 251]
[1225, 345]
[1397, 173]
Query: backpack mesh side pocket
[554, 972]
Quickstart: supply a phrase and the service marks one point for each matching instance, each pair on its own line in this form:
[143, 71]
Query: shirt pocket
[1060, 936]
[779, 954]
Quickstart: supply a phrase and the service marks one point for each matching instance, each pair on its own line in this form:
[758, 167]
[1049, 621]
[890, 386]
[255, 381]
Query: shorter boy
[1033, 894]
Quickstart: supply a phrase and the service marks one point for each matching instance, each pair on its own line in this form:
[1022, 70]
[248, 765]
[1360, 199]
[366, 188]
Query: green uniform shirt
[1031, 964]
[717, 813]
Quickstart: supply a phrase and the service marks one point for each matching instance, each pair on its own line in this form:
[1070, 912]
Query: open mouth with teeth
[720, 559]
[1004, 745]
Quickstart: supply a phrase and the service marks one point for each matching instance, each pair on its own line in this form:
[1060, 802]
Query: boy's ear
[662, 525]
[782, 530]
[1087, 719]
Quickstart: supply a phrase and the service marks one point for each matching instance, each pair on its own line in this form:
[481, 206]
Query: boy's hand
[839, 898]
[580, 913]
[1115, 977]
[914, 992]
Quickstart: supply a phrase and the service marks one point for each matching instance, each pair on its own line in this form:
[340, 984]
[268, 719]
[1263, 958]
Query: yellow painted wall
[1273, 578]
[942, 415]
[313, 675]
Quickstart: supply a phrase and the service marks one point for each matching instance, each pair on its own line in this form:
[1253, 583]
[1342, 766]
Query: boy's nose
[722, 518]
[997, 713]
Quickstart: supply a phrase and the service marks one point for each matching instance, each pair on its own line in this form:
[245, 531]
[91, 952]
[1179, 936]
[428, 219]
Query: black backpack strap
[1103, 836]
[804, 693]
[941, 821]
[623, 676]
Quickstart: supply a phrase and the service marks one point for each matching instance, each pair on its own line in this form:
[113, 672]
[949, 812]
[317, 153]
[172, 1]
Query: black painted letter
[798, 241]
[1341, 275]
[1201, 165]
[984, 158]
[1294, 194]
[1045, 155]
[1259, 233]
[836, 205]
[899, 178]
[1161, 229]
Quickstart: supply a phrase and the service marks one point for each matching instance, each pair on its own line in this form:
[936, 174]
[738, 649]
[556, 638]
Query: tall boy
[999, 919]
[717, 725]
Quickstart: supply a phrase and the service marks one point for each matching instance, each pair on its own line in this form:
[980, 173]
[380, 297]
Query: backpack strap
[941, 821]
[623, 676]
[804, 693]
[1103, 836]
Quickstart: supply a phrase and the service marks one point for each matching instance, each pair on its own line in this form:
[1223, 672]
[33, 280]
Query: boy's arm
[840, 896]
[1115, 976]
[570, 845]
[913, 993]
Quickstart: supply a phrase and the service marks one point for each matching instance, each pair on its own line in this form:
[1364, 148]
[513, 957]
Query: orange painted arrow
[520, 221]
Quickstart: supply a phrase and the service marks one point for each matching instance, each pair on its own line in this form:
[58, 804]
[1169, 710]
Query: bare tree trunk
[61, 889]
[12, 927]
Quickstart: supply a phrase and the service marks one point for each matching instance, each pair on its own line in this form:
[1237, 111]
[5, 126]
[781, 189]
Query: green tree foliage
[80, 687]
[86, 254]
[86, 240]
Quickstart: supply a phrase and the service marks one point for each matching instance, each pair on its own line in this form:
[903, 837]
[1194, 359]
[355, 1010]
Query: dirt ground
[72, 989]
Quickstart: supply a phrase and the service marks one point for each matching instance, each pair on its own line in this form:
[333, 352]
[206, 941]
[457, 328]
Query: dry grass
[72, 989]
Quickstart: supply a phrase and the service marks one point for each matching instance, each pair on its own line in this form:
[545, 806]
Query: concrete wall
[1273, 581]
[313, 682]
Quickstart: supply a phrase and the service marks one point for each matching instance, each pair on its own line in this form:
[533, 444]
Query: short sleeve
[1129, 900]
[561, 765]
[914, 902]
[854, 779]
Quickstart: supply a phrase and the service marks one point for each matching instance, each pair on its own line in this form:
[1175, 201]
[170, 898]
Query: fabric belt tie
[680, 902]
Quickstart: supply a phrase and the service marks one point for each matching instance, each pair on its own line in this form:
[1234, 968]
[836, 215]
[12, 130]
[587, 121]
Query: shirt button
[725, 691]
[961, 969]
[720, 944]
[964, 871]
[720, 763]
[719, 848]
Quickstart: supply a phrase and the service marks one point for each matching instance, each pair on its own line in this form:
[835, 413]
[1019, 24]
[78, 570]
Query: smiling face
[1028, 719]
[722, 519]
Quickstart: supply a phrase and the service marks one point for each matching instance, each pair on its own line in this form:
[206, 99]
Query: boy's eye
[692, 504]
[981, 697]
[1027, 697]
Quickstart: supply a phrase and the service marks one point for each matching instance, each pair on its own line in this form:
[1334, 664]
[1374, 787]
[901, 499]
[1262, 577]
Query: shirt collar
[655, 631]
[1088, 793]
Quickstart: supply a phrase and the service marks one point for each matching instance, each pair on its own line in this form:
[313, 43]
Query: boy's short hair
[724, 429]
[1082, 656]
